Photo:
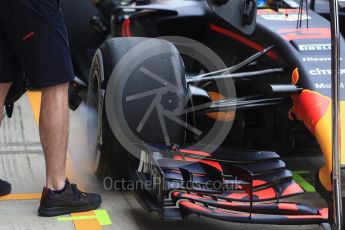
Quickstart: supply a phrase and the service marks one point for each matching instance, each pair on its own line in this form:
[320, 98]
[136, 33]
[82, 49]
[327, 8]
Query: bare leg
[54, 127]
[4, 87]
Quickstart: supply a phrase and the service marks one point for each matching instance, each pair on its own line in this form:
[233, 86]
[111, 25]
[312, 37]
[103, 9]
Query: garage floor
[22, 163]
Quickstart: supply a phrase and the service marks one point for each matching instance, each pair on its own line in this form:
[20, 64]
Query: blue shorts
[34, 43]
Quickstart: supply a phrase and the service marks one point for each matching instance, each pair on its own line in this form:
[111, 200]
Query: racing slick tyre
[111, 158]
[97, 126]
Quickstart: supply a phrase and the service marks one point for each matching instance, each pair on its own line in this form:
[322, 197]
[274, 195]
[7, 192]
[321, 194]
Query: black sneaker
[69, 200]
[5, 188]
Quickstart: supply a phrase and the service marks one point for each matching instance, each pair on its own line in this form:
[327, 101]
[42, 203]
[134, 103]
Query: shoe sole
[58, 211]
[6, 192]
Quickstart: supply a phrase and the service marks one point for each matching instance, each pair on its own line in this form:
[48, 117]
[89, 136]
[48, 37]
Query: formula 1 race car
[198, 99]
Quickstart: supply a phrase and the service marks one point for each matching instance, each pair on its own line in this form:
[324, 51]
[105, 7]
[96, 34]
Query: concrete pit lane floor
[22, 163]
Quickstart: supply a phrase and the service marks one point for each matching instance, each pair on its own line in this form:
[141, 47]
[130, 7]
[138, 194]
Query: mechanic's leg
[54, 127]
[4, 87]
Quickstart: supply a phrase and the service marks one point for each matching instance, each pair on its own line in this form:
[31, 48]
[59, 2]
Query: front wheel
[165, 84]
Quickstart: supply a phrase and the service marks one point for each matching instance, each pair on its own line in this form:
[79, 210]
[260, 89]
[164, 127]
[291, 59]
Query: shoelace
[78, 194]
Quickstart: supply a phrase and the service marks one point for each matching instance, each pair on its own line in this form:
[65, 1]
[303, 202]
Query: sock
[62, 190]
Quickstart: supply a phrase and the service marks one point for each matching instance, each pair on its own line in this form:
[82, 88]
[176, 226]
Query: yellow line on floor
[35, 102]
[27, 196]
